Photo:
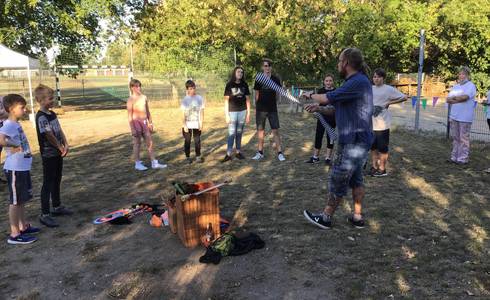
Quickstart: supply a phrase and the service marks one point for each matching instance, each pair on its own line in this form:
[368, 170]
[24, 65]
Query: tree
[304, 37]
[34, 26]
[117, 53]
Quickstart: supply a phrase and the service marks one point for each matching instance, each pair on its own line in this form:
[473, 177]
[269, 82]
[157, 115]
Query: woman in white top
[461, 99]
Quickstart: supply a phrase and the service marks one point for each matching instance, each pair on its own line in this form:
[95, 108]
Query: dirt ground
[426, 236]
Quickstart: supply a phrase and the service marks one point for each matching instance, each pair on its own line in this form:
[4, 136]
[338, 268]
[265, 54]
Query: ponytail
[355, 59]
[365, 69]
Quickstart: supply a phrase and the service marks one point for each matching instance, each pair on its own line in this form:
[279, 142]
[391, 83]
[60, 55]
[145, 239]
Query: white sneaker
[156, 165]
[258, 156]
[140, 166]
[281, 157]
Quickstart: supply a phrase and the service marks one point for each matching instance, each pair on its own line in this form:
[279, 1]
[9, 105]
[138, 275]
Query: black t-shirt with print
[267, 97]
[329, 118]
[237, 93]
[44, 123]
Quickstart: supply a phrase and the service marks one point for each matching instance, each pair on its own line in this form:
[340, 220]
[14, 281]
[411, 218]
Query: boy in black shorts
[17, 169]
[266, 109]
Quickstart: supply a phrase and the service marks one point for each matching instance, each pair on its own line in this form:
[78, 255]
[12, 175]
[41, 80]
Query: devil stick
[275, 87]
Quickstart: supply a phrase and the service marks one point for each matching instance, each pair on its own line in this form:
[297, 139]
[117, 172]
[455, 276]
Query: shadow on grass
[426, 220]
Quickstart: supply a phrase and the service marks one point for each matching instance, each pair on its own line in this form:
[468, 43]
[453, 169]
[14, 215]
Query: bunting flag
[414, 101]
[434, 101]
[261, 78]
[474, 104]
[424, 103]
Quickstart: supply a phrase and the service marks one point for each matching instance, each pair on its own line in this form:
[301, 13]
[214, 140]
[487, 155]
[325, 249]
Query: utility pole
[419, 79]
[57, 82]
[131, 57]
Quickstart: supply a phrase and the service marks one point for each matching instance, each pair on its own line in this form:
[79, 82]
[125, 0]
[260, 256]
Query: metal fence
[433, 115]
[109, 92]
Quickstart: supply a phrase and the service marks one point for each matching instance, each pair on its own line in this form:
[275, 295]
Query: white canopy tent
[10, 59]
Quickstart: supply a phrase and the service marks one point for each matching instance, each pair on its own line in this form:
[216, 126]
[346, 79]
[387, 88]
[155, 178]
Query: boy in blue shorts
[17, 169]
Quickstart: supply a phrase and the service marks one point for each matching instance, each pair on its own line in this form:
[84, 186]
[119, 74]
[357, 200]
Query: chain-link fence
[16, 82]
[108, 89]
[433, 114]
[434, 117]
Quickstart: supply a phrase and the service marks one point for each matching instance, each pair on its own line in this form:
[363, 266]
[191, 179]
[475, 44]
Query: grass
[426, 238]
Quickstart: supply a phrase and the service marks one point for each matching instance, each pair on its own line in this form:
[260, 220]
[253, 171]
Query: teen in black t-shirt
[237, 94]
[328, 85]
[267, 98]
[266, 109]
[237, 111]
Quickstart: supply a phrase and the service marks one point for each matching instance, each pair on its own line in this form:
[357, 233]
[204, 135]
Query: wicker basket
[172, 215]
[196, 213]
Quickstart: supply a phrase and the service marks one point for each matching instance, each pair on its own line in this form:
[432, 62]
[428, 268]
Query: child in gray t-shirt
[193, 108]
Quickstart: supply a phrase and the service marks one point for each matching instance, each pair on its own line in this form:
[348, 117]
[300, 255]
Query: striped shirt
[353, 103]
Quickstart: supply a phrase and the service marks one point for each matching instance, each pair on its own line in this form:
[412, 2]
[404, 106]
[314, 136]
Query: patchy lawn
[426, 236]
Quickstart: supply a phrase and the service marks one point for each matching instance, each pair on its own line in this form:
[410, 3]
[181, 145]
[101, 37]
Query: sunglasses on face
[266, 66]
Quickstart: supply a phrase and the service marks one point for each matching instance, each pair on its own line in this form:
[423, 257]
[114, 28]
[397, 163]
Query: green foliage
[117, 53]
[460, 36]
[482, 82]
[34, 26]
[304, 37]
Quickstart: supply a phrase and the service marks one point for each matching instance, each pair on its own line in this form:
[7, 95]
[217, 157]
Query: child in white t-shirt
[193, 108]
[17, 169]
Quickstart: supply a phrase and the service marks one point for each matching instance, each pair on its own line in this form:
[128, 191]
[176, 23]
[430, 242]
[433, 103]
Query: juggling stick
[260, 77]
[185, 197]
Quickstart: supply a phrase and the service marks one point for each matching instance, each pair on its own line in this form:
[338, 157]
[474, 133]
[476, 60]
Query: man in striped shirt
[353, 103]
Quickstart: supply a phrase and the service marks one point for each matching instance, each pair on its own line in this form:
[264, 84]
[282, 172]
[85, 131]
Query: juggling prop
[263, 79]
